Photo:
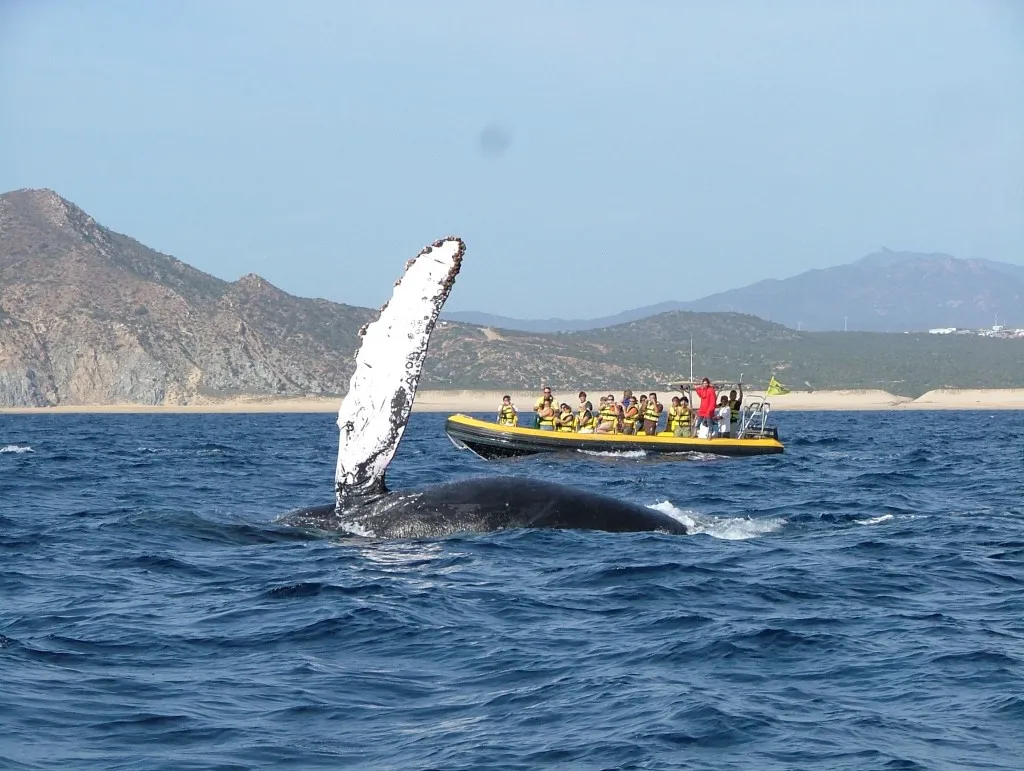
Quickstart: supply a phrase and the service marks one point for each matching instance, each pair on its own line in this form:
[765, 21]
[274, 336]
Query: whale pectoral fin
[376, 409]
[347, 497]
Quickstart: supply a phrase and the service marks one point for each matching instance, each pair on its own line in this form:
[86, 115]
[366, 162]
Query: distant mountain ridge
[886, 291]
[544, 326]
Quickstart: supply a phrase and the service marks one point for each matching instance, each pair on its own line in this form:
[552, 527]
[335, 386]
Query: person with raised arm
[706, 411]
[735, 404]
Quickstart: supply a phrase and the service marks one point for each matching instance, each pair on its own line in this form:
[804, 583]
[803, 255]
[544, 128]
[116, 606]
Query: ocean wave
[156, 616]
[875, 520]
[16, 449]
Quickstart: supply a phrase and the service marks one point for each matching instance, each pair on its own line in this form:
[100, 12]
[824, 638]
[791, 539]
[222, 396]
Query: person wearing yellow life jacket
[565, 421]
[606, 418]
[546, 415]
[691, 413]
[539, 404]
[627, 399]
[652, 414]
[630, 415]
[679, 417]
[585, 422]
[507, 415]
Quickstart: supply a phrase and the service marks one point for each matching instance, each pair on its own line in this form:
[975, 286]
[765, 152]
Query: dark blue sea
[856, 603]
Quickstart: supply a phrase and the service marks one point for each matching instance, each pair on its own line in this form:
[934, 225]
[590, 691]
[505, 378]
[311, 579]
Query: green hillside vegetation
[656, 350]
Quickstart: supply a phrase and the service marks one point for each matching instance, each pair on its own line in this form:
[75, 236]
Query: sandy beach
[488, 401]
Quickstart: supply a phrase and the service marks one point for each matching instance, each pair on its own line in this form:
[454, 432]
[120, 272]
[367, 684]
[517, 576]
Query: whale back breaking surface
[486, 504]
[376, 409]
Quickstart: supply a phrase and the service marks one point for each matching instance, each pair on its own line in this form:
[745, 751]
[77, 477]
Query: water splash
[724, 528]
[875, 520]
[614, 454]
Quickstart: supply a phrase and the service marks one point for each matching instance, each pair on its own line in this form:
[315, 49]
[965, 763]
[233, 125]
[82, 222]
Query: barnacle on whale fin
[388, 366]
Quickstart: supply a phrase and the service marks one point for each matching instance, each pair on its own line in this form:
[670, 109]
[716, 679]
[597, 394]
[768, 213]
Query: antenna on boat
[691, 358]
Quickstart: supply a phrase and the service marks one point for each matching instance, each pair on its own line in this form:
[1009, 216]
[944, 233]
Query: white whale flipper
[376, 409]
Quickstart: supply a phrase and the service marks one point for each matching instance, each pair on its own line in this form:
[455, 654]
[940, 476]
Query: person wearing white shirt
[723, 417]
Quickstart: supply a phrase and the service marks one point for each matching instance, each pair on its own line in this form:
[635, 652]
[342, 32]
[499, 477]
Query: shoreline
[481, 401]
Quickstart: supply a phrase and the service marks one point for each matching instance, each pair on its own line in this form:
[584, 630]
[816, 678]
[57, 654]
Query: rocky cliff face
[89, 316]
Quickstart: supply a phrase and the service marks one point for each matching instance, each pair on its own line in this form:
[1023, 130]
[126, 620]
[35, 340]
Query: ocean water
[856, 603]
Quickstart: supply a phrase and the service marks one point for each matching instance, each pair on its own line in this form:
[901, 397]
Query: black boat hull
[490, 441]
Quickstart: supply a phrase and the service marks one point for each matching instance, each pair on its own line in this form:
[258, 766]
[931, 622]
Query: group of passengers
[634, 416]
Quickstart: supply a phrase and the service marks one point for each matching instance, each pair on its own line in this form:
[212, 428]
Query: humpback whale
[373, 417]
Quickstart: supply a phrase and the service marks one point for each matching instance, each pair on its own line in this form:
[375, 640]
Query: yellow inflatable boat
[491, 440]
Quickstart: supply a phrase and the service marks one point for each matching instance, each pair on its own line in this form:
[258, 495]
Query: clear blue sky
[321, 143]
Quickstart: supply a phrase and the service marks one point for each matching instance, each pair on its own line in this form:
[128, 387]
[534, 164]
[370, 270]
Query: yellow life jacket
[507, 415]
[678, 417]
[734, 410]
[652, 412]
[547, 421]
[609, 415]
[632, 415]
[566, 422]
[585, 419]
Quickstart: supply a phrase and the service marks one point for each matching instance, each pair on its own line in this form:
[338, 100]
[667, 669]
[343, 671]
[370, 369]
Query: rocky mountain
[89, 316]
[883, 292]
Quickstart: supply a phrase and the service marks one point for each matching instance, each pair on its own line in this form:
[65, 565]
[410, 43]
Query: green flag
[775, 388]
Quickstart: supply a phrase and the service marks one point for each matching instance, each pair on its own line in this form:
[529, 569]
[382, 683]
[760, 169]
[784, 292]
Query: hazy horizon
[322, 144]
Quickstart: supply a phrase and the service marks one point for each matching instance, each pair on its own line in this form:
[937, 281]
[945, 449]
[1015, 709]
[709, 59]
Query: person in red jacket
[706, 413]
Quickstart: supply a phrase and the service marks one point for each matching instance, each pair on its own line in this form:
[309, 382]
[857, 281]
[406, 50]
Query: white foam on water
[704, 457]
[614, 454]
[875, 520]
[16, 448]
[725, 528]
[402, 554]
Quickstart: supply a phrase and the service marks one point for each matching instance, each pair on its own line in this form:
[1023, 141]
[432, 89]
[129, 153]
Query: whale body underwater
[373, 417]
